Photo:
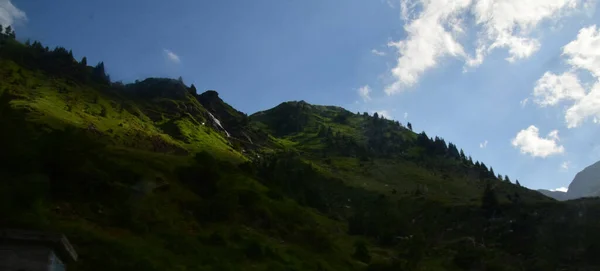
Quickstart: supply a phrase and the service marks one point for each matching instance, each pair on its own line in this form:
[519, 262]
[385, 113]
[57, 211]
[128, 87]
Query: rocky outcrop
[585, 184]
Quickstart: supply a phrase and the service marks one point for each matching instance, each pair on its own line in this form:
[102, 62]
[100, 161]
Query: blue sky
[512, 82]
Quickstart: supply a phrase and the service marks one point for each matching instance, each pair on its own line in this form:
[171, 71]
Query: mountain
[585, 184]
[558, 195]
[152, 175]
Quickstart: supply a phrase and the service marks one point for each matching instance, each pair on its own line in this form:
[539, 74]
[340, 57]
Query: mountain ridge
[586, 183]
[154, 176]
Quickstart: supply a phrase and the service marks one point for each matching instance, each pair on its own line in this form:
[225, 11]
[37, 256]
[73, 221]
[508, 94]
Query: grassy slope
[95, 195]
[384, 174]
[160, 234]
[448, 206]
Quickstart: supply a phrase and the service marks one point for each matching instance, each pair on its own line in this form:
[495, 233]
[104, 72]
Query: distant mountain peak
[585, 184]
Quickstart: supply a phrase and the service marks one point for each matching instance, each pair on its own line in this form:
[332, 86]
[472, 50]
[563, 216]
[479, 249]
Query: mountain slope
[586, 183]
[153, 176]
[558, 195]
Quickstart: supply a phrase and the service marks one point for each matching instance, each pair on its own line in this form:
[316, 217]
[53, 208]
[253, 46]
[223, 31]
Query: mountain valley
[153, 175]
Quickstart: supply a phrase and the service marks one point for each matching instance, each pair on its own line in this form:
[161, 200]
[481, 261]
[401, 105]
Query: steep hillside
[383, 156]
[586, 183]
[154, 176]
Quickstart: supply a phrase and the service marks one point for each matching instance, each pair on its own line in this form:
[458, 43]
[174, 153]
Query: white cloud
[524, 102]
[483, 145]
[552, 88]
[509, 24]
[434, 28]
[172, 56]
[405, 115]
[377, 52]
[365, 93]
[586, 107]
[427, 40]
[560, 189]
[528, 141]
[9, 14]
[582, 54]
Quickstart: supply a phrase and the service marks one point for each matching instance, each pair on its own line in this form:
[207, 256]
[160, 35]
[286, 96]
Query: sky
[514, 83]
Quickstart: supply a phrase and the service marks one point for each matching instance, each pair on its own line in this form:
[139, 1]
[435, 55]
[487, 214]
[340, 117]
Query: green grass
[294, 200]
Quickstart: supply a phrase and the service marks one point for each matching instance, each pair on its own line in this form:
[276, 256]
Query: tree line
[57, 62]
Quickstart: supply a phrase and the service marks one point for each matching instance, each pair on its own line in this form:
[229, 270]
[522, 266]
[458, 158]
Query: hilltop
[153, 175]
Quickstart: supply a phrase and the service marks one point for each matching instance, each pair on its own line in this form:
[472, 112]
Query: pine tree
[453, 151]
[506, 179]
[409, 125]
[84, 61]
[193, 90]
[10, 32]
[499, 176]
[100, 74]
[518, 184]
[462, 155]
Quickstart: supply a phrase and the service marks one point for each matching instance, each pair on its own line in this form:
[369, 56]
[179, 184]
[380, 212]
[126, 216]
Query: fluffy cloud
[582, 54]
[427, 40]
[483, 144]
[365, 93]
[9, 14]
[172, 56]
[508, 24]
[586, 107]
[405, 115]
[434, 28]
[377, 52]
[552, 88]
[528, 141]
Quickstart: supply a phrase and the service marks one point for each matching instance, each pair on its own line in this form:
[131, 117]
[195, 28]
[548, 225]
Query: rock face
[585, 184]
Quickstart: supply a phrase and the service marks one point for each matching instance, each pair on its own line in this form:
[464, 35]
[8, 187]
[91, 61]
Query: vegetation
[154, 176]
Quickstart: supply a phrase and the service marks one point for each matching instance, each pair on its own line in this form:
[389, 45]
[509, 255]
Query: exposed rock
[585, 184]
